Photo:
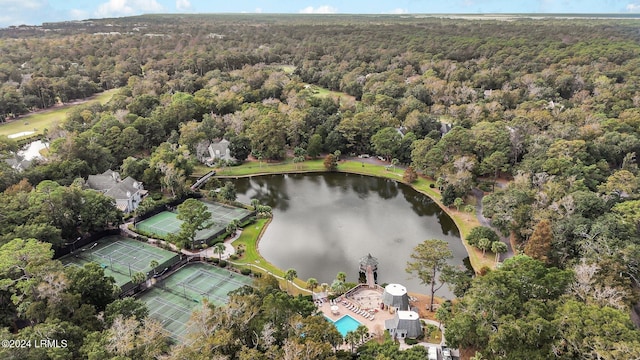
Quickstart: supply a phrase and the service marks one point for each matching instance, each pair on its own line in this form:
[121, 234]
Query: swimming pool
[345, 324]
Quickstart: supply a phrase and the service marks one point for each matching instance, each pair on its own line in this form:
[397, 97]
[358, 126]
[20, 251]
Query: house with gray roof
[219, 150]
[395, 295]
[406, 324]
[127, 193]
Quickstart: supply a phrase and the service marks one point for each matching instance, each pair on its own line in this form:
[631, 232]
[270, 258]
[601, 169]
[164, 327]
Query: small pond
[324, 223]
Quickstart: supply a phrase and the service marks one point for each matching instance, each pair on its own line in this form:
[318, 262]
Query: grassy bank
[45, 119]
[252, 259]
[464, 221]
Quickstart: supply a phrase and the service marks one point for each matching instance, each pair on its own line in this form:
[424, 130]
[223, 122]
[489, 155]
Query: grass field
[464, 221]
[45, 119]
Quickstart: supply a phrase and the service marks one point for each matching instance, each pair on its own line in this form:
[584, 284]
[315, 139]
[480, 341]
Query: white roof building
[395, 295]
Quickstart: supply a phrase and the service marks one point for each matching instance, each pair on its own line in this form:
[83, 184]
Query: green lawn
[39, 121]
[464, 221]
[251, 258]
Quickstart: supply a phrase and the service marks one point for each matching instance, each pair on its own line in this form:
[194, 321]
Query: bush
[245, 271]
[156, 196]
[410, 341]
[215, 260]
[432, 186]
[234, 257]
[481, 232]
[222, 263]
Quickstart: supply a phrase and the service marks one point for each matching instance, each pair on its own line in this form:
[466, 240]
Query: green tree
[240, 147]
[219, 249]
[386, 142]
[430, 257]
[498, 247]
[484, 244]
[315, 145]
[289, 275]
[458, 202]
[351, 338]
[341, 276]
[228, 192]
[92, 285]
[195, 217]
[480, 232]
[126, 308]
[312, 284]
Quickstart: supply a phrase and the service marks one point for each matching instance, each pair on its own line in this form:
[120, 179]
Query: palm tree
[362, 331]
[312, 284]
[484, 244]
[289, 275]
[342, 276]
[219, 249]
[255, 203]
[153, 264]
[498, 247]
[394, 163]
[351, 338]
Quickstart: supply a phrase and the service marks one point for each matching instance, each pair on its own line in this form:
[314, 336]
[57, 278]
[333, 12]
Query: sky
[35, 12]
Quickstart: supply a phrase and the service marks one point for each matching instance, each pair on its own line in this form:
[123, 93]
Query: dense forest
[549, 106]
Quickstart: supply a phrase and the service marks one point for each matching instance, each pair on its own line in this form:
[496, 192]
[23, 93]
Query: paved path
[479, 194]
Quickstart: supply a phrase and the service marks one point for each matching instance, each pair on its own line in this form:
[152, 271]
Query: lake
[324, 223]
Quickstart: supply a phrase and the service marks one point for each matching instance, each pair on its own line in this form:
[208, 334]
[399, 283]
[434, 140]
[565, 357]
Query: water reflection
[324, 223]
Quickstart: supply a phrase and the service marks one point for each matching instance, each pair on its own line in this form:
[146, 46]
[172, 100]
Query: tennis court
[121, 257]
[167, 222]
[173, 299]
[171, 310]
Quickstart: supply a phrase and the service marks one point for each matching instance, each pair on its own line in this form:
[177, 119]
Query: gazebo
[369, 266]
[395, 295]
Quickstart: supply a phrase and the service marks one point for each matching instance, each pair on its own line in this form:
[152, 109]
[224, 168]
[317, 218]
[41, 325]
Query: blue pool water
[345, 324]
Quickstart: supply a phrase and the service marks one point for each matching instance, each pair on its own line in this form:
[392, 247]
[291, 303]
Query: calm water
[324, 223]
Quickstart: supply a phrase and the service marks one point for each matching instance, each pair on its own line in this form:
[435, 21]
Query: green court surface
[121, 257]
[173, 299]
[166, 222]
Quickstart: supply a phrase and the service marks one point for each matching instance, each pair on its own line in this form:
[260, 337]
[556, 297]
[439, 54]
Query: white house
[219, 150]
[128, 193]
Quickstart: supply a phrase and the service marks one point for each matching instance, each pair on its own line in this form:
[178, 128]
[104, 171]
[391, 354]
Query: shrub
[234, 257]
[410, 341]
[245, 271]
[481, 232]
[222, 263]
[215, 260]
[432, 186]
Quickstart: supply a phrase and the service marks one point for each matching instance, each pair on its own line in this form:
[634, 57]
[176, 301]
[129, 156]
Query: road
[479, 194]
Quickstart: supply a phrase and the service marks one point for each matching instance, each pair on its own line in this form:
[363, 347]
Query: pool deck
[376, 326]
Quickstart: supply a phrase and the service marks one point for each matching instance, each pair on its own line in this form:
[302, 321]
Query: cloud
[633, 8]
[399, 11]
[258, 11]
[183, 5]
[324, 9]
[127, 7]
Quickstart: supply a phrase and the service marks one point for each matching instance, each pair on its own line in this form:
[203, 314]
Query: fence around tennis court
[165, 223]
[199, 281]
[173, 298]
[122, 258]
